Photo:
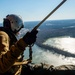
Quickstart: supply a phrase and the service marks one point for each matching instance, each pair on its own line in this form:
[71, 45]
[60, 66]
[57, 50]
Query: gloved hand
[30, 37]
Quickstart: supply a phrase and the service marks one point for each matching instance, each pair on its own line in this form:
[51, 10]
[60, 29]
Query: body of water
[45, 56]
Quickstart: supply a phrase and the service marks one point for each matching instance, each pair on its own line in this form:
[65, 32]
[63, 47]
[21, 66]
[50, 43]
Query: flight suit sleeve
[8, 57]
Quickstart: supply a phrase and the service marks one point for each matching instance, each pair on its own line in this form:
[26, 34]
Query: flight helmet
[13, 22]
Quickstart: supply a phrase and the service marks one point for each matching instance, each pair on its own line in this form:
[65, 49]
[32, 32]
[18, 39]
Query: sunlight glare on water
[65, 43]
[45, 56]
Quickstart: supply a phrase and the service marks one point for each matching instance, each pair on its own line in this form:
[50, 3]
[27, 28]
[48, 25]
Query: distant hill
[50, 29]
[53, 28]
[51, 24]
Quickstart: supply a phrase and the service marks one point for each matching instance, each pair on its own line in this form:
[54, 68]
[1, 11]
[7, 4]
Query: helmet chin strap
[16, 31]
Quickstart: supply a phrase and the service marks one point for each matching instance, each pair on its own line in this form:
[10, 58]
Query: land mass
[50, 29]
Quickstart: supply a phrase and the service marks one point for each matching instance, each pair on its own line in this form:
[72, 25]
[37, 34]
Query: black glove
[30, 37]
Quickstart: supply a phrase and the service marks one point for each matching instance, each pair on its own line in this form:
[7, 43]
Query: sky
[34, 10]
